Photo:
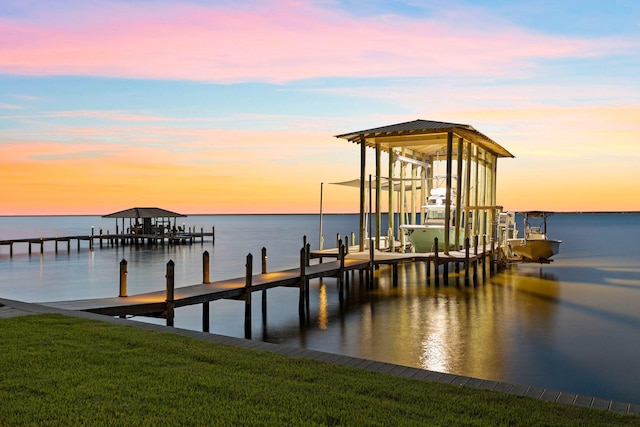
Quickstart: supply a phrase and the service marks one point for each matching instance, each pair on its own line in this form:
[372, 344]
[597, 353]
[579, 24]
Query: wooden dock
[162, 304]
[110, 240]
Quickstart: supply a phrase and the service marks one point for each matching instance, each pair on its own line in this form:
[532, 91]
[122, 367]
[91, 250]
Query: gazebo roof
[423, 136]
[144, 213]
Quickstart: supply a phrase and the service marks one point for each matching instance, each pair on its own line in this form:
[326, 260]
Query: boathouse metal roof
[144, 213]
[423, 136]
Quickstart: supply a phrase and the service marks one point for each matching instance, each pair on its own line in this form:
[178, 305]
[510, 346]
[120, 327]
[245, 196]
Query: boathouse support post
[475, 261]
[123, 278]
[447, 206]
[363, 164]
[459, 213]
[466, 260]
[205, 267]
[170, 303]
[264, 260]
[436, 262]
[378, 198]
[484, 255]
[247, 297]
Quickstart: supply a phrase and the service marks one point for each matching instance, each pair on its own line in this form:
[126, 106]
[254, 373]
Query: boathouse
[422, 155]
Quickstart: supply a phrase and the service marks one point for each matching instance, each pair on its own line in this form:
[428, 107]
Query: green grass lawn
[57, 370]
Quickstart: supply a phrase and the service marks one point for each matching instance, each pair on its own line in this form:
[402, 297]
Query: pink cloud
[272, 41]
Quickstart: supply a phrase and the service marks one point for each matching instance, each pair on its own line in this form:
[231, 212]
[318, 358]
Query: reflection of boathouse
[418, 153]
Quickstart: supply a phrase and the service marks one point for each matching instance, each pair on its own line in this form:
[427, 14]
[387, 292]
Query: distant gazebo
[147, 221]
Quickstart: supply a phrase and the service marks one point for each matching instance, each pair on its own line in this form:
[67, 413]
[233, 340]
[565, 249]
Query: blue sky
[238, 102]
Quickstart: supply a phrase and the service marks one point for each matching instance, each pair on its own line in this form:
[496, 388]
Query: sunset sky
[201, 106]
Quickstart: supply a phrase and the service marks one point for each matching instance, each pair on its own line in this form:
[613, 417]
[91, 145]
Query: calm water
[573, 325]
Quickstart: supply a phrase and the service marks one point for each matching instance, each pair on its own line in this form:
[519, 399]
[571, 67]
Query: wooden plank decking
[154, 303]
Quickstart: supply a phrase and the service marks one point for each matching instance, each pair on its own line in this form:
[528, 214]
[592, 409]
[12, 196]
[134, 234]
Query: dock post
[69, 245]
[484, 255]
[205, 267]
[341, 253]
[264, 260]
[346, 245]
[11, 249]
[436, 262]
[29, 248]
[303, 279]
[492, 270]
[475, 261]
[56, 245]
[247, 297]
[205, 316]
[123, 278]
[42, 246]
[467, 248]
[213, 236]
[170, 303]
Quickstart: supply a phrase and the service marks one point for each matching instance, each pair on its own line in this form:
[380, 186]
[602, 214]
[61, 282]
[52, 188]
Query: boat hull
[534, 249]
[422, 237]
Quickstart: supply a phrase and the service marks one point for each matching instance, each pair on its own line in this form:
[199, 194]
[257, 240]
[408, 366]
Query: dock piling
[170, 302]
[205, 267]
[123, 278]
[264, 260]
[247, 297]
[205, 316]
[303, 287]
[467, 248]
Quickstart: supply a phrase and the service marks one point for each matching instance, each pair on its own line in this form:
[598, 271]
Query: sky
[218, 107]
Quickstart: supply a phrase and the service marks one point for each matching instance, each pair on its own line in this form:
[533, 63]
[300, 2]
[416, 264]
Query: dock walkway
[155, 303]
[161, 303]
[109, 240]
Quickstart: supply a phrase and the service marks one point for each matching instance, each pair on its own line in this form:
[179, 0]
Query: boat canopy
[384, 183]
[423, 137]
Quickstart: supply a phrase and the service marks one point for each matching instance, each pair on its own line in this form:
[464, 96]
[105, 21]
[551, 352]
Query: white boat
[535, 246]
[422, 235]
